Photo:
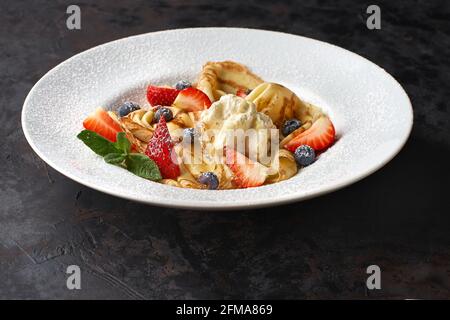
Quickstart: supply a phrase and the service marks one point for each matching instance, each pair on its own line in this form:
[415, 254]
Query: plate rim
[217, 206]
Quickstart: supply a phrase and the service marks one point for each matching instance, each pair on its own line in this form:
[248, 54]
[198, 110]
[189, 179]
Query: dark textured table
[398, 218]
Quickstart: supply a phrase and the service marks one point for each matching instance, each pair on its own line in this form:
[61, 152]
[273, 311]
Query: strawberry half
[192, 99]
[101, 123]
[161, 95]
[319, 136]
[242, 93]
[160, 149]
[247, 173]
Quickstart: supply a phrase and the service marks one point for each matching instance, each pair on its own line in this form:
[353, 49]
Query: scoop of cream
[235, 114]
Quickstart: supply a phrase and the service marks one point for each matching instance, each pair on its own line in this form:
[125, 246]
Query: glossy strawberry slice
[101, 123]
[242, 93]
[319, 136]
[161, 95]
[161, 150]
[247, 173]
[192, 99]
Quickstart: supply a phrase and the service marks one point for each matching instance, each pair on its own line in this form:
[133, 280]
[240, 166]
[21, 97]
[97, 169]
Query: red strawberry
[247, 173]
[242, 93]
[161, 95]
[192, 99]
[160, 149]
[319, 136]
[101, 123]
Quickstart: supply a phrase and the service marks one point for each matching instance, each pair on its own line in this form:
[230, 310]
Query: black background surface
[398, 218]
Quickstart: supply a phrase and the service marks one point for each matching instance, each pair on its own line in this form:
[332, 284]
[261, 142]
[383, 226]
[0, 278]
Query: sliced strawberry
[101, 123]
[161, 95]
[192, 99]
[160, 149]
[242, 93]
[319, 136]
[247, 173]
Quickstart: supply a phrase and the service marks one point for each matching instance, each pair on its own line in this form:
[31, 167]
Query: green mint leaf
[115, 158]
[117, 153]
[122, 143]
[97, 143]
[142, 166]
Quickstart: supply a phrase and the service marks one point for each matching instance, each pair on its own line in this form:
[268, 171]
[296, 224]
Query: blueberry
[304, 155]
[182, 84]
[166, 112]
[127, 108]
[189, 134]
[290, 126]
[209, 179]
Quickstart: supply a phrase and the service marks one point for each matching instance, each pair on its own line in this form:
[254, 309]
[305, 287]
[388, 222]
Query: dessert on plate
[229, 129]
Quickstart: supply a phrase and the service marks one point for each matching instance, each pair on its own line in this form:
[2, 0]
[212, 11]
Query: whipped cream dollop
[233, 114]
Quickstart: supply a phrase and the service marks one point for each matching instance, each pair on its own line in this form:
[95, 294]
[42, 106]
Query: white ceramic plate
[370, 110]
